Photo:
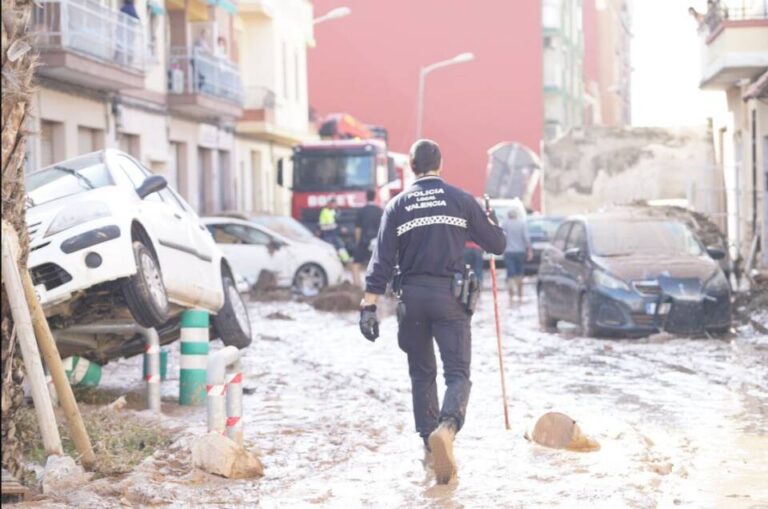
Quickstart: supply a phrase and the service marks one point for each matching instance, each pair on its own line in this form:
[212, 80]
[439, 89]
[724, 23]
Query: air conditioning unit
[177, 81]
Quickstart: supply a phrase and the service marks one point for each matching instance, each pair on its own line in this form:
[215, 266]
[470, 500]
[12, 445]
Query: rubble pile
[343, 297]
[751, 308]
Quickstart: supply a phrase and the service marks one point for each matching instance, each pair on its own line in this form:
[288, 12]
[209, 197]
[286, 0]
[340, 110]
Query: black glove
[369, 323]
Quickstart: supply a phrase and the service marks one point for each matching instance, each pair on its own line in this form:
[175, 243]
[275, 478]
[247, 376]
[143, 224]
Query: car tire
[546, 322]
[314, 274]
[144, 291]
[586, 317]
[232, 323]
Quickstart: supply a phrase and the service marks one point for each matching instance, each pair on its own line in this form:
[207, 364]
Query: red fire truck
[351, 159]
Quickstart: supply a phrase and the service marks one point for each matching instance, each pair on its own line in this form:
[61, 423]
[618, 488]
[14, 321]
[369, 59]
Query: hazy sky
[667, 66]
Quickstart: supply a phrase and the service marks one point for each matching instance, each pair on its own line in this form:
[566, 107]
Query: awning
[227, 5]
[155, 8]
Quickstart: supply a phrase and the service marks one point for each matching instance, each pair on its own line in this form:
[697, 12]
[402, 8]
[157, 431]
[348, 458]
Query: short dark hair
[425, 156]
[370, 195]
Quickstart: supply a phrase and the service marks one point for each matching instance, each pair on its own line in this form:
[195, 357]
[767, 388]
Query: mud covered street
[681, 423]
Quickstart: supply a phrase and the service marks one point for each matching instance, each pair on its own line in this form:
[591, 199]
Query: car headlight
[717, 283]
[77, 214]
[605, 280]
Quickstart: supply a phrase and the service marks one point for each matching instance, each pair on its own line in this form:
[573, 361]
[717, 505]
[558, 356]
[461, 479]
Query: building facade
[168, 88]
[369, 63]
[734, 59]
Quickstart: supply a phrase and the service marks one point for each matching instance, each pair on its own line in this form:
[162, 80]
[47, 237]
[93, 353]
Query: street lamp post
[339, 12]
[458, 59]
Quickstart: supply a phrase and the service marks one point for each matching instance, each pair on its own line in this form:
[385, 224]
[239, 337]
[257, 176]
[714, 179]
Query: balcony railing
[734, 11]
[195, 71]
[91, 29]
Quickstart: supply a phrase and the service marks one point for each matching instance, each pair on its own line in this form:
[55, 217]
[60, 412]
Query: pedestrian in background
[366, 228]
[329, 229]
[517, 252]
[473, 256]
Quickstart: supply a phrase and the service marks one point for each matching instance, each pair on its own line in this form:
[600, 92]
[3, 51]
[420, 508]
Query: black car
[541, 229]
[632, 275]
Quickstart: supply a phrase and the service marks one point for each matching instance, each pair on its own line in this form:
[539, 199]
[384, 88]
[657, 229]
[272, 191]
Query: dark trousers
[474, 258]
[433, 312]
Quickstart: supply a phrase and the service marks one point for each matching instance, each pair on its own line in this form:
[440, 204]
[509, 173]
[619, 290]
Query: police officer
[423, 232]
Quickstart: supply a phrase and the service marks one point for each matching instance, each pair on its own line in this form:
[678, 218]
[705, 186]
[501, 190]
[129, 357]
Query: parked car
[632, 275]
[109, 240]
[541, 229]
[297, 259]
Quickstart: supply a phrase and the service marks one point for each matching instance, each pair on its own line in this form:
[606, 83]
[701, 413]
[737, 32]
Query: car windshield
[542, 227]
[69, 177]
[328, 171]
[623, 237]
[285, 226]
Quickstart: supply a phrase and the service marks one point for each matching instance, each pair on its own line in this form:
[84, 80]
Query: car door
[246, 248]
[551, 270]
[574, 271]
[175, 250]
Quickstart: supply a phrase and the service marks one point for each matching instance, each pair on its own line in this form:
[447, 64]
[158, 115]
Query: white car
[106, 235]
[297, 260]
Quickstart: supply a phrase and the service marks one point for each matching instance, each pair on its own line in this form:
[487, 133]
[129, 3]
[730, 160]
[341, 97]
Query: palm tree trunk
[17, 74]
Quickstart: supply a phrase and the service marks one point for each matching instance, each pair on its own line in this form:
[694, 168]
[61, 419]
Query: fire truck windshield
[328, 171]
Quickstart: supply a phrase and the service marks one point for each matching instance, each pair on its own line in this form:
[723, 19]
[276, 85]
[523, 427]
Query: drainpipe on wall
[754, 172]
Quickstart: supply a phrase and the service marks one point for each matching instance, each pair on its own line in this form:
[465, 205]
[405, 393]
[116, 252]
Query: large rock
[62, 474]
[217, 454]
[558, 431]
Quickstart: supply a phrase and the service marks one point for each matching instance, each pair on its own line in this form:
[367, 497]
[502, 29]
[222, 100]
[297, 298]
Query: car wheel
[310, 278]
[546, 322]
[232, 323]
[144, 292]
[586, 317]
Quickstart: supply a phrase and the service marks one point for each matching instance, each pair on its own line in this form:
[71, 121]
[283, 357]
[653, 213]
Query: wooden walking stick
[495, 289]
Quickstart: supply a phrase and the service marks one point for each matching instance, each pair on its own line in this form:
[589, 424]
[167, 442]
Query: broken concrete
[593, 167]
[217, 454]
[62, 474]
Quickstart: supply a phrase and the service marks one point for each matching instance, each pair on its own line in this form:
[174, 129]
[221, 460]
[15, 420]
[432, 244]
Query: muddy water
[681, 423]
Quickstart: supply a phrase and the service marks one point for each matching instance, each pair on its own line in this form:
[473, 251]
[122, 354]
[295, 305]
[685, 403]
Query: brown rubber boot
[519, 282]
[441, 444]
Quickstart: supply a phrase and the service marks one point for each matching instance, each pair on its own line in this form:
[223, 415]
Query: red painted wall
[367, 64]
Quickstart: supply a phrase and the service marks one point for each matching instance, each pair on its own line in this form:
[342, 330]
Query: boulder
[217, 454]
[559, 431]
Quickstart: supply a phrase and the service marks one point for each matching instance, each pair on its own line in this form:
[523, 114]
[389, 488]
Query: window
[129, 143]
[238, 234]
[70, 177]
[297, 74]
[577, 238]
[89, 140]
[136, 174]
[560, 236]
[285, 69]
[48, 140]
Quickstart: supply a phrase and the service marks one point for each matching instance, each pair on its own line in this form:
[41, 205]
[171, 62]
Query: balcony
[733, 43]
[86, 43]
[203, 86]
[267, 118]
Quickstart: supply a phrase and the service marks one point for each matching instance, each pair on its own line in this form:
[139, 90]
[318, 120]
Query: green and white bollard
[82, 372]
[194, 357]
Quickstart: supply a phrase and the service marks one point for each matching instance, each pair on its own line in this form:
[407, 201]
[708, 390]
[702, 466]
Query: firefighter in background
[329, 229]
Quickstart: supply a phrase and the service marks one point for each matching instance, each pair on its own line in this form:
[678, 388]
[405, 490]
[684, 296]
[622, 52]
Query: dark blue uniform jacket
[423, 231]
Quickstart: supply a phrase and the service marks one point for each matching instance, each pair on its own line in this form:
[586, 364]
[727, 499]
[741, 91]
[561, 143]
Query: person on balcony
[124, 50]
[200, 50]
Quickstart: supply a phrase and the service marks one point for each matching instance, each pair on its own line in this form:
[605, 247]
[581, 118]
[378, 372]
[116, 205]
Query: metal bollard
[194, 355]
[235, 405]
[152, 350]
[225, 394]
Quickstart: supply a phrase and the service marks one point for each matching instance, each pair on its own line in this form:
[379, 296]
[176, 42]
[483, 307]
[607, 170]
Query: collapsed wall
[593, 167]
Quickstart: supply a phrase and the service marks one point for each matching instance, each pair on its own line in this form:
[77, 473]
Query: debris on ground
[559, 431]
[217, 454]
[750, 308]
[279, 315]
[266, 289]
[121, 438]
[343, 297]
[62, 474]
